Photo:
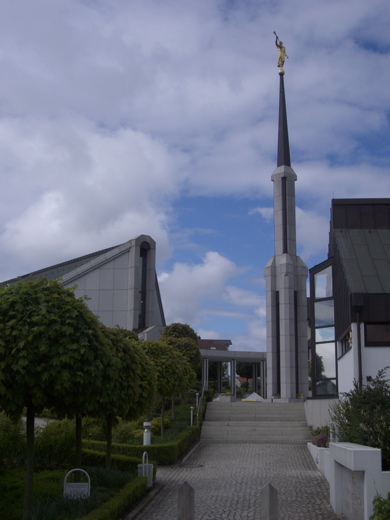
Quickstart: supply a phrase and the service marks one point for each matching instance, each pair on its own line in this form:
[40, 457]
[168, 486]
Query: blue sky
[159, 117]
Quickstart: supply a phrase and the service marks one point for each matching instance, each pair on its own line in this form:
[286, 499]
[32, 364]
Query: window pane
[326, 353]
[326, 387]
[323, 283]
[378, 334]
[325, 334]
[324, 313]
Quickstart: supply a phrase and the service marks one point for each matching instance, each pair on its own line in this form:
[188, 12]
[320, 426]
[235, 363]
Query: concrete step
[255, 422]
[256, 413]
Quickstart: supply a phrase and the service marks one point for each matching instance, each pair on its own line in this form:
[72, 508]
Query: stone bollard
[186, 502]
[269, 503]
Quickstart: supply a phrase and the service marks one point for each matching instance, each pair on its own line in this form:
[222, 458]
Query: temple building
[349, 306]
[120, 284]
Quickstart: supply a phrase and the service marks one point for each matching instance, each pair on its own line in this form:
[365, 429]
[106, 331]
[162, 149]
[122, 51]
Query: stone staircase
[255, 421]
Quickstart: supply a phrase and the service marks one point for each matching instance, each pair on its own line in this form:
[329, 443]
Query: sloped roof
[57, 271]
[365, 255]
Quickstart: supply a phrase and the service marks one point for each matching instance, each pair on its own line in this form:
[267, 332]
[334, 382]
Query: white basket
[76, 490]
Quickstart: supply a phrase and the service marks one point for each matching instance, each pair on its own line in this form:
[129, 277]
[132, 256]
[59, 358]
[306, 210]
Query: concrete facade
[119, 283]
[373, 359]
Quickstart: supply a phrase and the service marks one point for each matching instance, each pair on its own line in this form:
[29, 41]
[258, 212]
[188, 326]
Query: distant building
[120, 283]
[214, 344]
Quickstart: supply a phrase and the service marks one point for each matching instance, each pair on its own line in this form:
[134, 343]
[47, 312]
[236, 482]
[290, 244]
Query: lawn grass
[48, 500]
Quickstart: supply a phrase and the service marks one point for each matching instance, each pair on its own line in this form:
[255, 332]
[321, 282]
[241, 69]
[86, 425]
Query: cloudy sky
[159, 117]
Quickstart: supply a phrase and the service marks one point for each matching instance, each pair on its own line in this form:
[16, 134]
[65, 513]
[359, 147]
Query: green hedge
[116, 506]
[209, 394]
[162, 454]
[120, 462]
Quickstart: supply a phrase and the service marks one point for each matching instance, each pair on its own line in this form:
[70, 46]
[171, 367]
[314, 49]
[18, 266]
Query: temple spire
[285, 275]
[283, 142]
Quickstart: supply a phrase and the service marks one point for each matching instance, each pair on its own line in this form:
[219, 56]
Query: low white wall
[317, 412]
[321, 459]
[355, 476]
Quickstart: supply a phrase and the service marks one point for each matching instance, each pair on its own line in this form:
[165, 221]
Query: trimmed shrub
[90, 457]
[116, 506]
[381, 508]
[12, 443]
[55, 445]
[163, 454]
[362, 416]
[125, 430]
[156, 425]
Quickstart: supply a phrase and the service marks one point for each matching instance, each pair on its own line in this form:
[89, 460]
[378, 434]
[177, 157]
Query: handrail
[200, 404]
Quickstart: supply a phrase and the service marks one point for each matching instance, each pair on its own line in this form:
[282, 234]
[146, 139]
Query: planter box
[319, 456]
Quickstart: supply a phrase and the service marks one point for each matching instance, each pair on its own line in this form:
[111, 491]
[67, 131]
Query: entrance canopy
[258, 360]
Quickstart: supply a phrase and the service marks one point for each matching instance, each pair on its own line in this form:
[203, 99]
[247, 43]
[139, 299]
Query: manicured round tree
[130, 382]
[185, 340]
[173, 372]
[179, 330]
[52, 354]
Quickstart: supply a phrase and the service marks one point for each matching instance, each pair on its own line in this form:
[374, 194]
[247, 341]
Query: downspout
[359, 339]
[357, 305]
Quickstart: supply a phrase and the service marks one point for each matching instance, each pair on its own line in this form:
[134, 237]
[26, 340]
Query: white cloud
[91, 191]
[111, 111]
[312, 233]
[253, 338]
[242, 297]
[266, 213]
[188, 286]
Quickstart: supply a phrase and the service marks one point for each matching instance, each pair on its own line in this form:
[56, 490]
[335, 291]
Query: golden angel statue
[282, 54]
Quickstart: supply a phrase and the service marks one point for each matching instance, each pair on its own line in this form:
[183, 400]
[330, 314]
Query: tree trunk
[79, 439]
[109, 441]
[162, 429]
[173, 406]
[29, 479]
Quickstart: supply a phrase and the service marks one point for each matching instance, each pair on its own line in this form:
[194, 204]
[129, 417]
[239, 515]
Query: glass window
[325, 334]
[326, 353]
[326, 387]
[378, 334]
[345, 343]
[324, 313]
[323, 283]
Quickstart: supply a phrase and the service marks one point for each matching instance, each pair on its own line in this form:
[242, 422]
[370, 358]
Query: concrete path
[227, 478]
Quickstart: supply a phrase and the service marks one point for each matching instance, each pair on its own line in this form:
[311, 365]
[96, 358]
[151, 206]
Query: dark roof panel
[365, 256]
[360, 214]
[364, 259]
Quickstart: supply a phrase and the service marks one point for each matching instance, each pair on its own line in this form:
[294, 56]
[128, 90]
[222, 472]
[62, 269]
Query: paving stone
[228, 477]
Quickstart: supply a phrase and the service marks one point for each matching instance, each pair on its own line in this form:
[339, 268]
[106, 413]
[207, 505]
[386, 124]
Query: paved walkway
[227, 479]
